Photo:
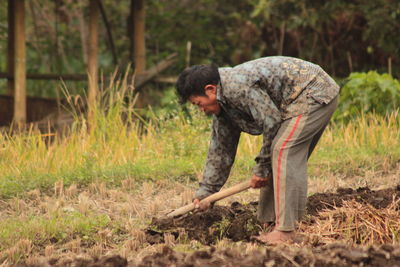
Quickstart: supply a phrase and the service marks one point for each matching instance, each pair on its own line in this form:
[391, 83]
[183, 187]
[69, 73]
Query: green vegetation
[368, 92]
[58, 227]
[172, 147]
[94, 189]
[341, 36]
[220, 228]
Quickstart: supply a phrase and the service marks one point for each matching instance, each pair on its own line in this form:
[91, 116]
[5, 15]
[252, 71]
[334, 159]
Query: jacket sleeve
[221, 155]
[267, 115]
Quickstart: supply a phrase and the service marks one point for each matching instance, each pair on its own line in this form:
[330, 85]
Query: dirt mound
[378, 199]
[239, 222]
[332, 255]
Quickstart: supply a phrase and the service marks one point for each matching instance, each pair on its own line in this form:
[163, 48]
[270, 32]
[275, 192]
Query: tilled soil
[379, 199]
[332, 255]
[239, 222]
[329, 255]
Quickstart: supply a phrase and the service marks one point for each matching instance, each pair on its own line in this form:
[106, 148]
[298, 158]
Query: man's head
[198, 84]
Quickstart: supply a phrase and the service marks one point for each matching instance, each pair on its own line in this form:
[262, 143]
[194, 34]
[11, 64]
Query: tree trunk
[19, 63]
[138, 35]
[10, 46]
[92, 58]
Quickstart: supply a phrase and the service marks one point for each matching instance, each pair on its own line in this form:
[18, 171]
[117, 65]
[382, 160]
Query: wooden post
[139, 43]
[19, 63]
[92, 57]
[188, 52]
[10, 46]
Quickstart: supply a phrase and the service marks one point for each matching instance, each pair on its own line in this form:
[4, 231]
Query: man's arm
[220, 158]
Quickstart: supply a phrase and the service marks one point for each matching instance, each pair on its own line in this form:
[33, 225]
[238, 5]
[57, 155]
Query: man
[287, 100]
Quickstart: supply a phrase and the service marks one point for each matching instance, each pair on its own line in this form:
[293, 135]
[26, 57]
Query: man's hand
[204, 205]
[258, 182]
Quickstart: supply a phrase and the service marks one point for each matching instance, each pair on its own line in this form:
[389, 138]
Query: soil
[332, 255]
[239, 222]
[329, 255]
[79, 261]
[379, 199]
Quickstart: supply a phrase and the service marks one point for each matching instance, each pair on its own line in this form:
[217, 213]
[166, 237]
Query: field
[95, 196]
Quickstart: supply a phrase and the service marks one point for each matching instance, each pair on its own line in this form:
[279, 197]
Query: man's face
[207, 103]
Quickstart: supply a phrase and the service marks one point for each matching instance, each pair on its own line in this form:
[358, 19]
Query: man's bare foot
[276, 237]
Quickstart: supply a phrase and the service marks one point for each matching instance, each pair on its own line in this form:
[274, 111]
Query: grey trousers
[283, 200]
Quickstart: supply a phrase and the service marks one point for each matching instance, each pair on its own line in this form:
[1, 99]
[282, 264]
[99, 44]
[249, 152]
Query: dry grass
[357, 223]
[373, 179]
[128, 209]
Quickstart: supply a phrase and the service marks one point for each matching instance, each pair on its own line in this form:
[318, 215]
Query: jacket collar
[220, 97]
[220, 88]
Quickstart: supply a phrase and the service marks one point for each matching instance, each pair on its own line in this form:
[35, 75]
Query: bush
[368, 92]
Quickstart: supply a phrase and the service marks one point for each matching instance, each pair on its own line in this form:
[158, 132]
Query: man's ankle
[268, 226]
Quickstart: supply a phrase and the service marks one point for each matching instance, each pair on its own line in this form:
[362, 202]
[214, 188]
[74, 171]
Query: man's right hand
[258, 182]
[201, 205]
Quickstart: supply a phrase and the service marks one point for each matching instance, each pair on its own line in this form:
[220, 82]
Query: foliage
[341, 36]
[121, 146]
[368, 92]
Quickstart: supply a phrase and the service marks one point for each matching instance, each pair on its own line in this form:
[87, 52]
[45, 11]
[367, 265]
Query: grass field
[93, 191]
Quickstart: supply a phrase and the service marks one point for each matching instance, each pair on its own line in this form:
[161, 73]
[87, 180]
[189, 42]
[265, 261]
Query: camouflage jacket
[255, 98]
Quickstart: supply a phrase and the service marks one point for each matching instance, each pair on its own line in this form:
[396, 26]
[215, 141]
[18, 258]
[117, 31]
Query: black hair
[191, 81]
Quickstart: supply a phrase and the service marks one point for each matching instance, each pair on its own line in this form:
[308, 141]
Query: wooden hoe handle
[212, 198]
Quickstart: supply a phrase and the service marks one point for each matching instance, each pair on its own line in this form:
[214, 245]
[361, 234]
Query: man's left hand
[258, 182]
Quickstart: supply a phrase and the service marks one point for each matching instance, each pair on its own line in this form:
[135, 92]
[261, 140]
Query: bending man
[287, 100]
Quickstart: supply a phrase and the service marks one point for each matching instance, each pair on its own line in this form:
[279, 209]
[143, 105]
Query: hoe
[211, 198]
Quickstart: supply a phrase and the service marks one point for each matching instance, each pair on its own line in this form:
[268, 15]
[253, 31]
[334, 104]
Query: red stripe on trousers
[278, 179]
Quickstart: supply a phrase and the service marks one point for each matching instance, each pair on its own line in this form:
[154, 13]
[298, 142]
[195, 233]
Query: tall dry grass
[357, 223]
[122, 145]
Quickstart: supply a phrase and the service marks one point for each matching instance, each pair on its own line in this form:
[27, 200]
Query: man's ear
[210, 89]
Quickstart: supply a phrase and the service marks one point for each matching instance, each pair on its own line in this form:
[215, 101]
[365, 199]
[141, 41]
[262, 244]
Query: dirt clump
[237, 222]
[379, 199]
